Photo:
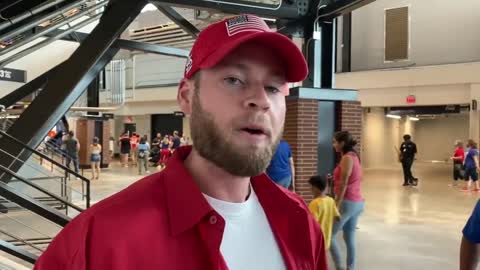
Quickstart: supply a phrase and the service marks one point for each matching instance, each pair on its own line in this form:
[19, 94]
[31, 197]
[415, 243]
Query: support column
[350, 119]
[474, 112]
[301, 127]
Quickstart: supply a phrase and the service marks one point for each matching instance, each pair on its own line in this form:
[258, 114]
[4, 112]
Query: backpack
[141, 154]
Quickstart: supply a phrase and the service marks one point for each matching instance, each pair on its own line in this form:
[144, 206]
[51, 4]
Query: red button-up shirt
[164, 222]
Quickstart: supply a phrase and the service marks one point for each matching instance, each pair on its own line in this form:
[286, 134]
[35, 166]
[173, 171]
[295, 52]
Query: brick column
[301, 127]
[350, 119]
[301, 132]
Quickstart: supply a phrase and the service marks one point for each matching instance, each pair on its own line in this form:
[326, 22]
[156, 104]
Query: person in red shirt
[134, 140]
[458, 159]
[212, 207]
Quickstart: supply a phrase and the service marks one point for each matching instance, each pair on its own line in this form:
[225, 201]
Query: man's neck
[216, 182]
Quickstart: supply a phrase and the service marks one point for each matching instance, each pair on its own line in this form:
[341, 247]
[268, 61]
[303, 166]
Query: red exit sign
[411, 99]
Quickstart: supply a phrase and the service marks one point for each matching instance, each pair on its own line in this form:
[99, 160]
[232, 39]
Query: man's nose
[258, 98]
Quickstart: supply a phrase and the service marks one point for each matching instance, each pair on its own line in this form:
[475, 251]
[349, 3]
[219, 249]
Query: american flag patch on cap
[245, 23]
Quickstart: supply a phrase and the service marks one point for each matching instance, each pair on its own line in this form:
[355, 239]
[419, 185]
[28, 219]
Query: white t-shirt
[248, 242]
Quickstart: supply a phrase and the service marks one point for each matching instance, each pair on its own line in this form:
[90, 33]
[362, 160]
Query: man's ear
[185, 95]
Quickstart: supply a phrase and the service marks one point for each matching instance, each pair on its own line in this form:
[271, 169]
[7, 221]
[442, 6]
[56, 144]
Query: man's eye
[233, 81]
[272, 89]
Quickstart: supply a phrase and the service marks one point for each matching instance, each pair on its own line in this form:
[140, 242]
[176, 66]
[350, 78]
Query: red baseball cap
[219, 39]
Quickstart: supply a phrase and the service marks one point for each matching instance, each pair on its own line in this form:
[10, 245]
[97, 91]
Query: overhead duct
[48, 41]
[53, 27]
[165, 34]
[31, 12]
[37, 21]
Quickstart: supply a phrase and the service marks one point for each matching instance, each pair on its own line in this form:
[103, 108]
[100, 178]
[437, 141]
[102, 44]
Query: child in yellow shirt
[323, 207]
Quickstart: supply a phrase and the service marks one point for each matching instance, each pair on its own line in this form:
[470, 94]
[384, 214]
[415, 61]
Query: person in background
[467, 149]
[155, 149]
[458, 159]
[471, 167]
[166, 151]
[470, 246]
[72, 147]
[142, 155]
[281, 169]
[157, 141]
[134, 139]
[175, 140]
[95, 158]
[125, 146]
[348, 196]
[183, 141]
[408, 150]
[145, 137]
[323, 207]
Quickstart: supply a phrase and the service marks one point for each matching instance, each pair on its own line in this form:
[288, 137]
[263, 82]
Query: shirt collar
[186, 205]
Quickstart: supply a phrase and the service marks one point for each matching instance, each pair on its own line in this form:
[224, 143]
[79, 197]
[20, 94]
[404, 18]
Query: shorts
[95, 158]
[471, 174]
[125, 151]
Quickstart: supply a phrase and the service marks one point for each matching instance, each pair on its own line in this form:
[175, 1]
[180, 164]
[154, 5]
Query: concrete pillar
[474, 113]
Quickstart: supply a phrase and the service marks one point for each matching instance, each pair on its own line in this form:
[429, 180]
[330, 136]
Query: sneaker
[406, 184]
[147, 171]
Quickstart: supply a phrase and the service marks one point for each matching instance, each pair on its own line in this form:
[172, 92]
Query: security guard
[408, 150]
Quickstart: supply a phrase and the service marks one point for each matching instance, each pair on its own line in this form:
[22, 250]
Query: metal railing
[25, 235]
[39, 188]
[67, 172]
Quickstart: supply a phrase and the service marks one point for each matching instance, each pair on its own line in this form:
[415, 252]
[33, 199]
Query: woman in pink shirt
[347, 177]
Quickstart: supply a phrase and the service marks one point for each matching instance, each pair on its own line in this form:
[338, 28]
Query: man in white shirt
[212, 207]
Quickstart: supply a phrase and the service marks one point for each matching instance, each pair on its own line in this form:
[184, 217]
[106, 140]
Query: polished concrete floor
[412, 228]
[401, 228]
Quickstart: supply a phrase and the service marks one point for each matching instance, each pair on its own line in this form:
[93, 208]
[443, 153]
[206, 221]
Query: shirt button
[213, 220]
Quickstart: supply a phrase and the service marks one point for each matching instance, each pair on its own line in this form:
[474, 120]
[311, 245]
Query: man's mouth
[255, 130]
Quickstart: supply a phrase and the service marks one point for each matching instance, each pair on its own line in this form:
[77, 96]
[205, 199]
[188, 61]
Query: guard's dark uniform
[408, 150]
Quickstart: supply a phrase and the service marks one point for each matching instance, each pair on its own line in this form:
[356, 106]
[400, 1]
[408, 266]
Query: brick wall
[301, 127]
[350, 119]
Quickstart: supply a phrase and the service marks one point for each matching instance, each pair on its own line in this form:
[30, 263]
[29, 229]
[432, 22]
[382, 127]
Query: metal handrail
[18, 252]
[48, 177]
[56, 149]
[21, 240]
[39, 188]
[85, 180]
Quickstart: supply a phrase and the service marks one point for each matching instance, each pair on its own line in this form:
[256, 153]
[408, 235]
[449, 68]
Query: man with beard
[212, 207]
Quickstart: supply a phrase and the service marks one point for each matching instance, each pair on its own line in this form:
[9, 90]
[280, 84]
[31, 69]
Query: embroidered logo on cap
[245, 23]
[189, 64]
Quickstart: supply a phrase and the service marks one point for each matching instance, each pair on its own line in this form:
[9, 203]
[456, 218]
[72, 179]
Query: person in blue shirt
[472, 167]
[470, 248]
[281, 169]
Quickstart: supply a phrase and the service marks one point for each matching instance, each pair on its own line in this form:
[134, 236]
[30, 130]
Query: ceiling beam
[132, 45]
[178, 19]
[287, 9]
